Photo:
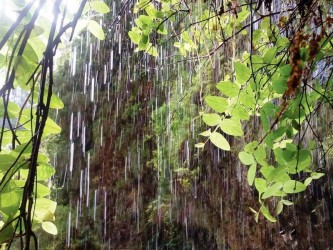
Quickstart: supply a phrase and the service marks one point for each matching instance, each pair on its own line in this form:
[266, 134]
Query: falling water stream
[132, 176]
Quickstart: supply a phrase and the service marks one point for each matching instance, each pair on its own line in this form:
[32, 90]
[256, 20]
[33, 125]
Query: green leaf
[232, 127]
[272, 190]
[279, 174]
[257, 62]
[260, 185]
[280, 85]
[316, 175]
[13, 109]
[243, 73]
[43, 158]
[49, 227]
[264, 210]
[246, 158]
[206, 133]
[199, 145]
[162, 30]
[144, 42]
[287, 203]
[44, 171]
[151, 50]
[134, 36]
[43, 203]
[293, 186]
[211, 119]
[269, 55]
[10, 202]
[269, 108]
[260, 155]
[6, 160]
[146, 20]
[264, 120]
[279, 207]
[99, 7]
[308, 181]
[240, 112]
[285, 70]
[42, 190]
[266, 171]
[251, 146]
[281, 43]
[247, 98]
[56, 102]
[217, 103]
[228, 88]
[51, 127]
[251, 173]
[37, 31]
[219, 141]
[7, 230]
[96, 29]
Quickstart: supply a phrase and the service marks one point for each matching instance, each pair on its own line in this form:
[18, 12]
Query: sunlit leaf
[266, 171]
[51, 127]
[199, 145]
[228, 88]
[96, 29]
[246, 158]
[232, 127]
[46, 204]
[6, 160]
[135, 37]
[211, 119]
[280, 85]
[279, 207]
[217, 103]
[10, 201]
[219, 141]
[316, 175]
[99, 7]
[250, 147]
[56, 102]
[206, 133]
[44, 171]
[144, 42]
[287, 203]
[272, 190]
[264, 210]
[260, 184]
[243, 73]
[308, 181]
[293, 186]
[269, 55]
[42, 190]
[240, 112]
[251, 173]
[151, 50]
[49, 227]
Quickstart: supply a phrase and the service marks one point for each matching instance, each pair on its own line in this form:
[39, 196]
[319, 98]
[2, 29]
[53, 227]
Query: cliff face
[131, 175]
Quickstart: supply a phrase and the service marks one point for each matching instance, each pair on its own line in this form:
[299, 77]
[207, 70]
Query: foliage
[29, 43]
[279, 83]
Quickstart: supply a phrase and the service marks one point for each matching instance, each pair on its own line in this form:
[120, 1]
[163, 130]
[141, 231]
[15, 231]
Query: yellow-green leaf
[232, 127]
[49, 227]
[217, 103]
[219, 141]
[211, 119]
[96, 29]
